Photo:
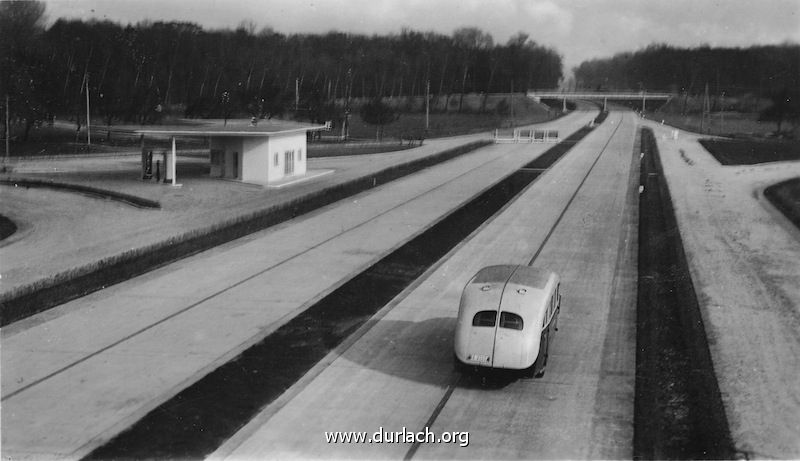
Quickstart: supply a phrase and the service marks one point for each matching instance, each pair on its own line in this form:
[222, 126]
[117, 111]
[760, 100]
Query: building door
[288, 162]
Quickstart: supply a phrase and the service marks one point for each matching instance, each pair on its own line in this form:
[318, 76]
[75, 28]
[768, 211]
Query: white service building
[266, 153]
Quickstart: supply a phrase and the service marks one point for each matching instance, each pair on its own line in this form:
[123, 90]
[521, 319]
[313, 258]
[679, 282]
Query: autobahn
[396, 374]
[78, 375]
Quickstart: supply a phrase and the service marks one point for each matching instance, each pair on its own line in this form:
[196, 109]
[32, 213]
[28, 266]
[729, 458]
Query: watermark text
[401, 436]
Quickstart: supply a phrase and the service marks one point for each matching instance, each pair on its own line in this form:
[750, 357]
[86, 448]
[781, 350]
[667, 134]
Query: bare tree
[22, 58]
[468, 40]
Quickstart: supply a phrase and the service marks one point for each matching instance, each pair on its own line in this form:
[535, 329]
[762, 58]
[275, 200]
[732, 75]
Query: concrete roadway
[396, 372]
[77, 375]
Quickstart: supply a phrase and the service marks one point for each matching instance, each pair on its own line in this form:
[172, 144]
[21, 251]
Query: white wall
[279, 145]
[257, 162]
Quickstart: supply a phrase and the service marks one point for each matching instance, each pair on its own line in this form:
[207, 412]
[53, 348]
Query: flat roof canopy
[234, 128]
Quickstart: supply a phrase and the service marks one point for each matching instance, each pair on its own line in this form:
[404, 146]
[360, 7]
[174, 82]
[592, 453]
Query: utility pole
[296, 94]
[706, 112]
[644, 101]
[8, 131]
[88, 122]
[427, 104]
[512, 103]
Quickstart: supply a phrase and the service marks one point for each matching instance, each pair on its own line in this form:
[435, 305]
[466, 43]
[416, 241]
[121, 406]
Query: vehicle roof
[515, 274]
[520, 289]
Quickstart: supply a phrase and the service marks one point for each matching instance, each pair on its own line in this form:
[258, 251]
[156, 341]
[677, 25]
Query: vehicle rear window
[510, 320]
[484, 319]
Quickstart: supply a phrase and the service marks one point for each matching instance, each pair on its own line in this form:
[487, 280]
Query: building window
[275, 159]
[299, 155]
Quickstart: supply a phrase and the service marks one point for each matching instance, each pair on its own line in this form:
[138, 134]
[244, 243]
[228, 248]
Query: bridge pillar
[564, 104]
[605, 104]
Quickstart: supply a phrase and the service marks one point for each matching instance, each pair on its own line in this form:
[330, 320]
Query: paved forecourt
[743, 257]
[399, 372]
[75, 376]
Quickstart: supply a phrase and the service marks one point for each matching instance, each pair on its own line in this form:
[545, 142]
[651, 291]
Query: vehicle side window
[510, 320]
[484, 319]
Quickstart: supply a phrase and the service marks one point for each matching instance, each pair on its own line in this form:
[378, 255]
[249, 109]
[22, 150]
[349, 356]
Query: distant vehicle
[507, 318]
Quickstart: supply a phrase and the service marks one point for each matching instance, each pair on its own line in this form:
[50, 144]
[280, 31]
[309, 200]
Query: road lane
[400, 370]
[583, 407]
[76, 376]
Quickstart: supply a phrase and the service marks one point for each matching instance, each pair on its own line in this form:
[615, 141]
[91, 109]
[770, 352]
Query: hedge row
[102, 193]
[77, 282]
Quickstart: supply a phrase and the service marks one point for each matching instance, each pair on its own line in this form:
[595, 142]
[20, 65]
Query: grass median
[785, 196]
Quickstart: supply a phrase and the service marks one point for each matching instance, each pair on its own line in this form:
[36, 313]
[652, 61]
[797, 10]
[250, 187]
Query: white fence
[521, 135]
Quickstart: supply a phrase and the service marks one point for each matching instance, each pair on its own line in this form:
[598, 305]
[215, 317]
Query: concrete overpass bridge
[643, 96]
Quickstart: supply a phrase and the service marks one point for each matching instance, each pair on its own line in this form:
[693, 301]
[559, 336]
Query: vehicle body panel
[526, 303]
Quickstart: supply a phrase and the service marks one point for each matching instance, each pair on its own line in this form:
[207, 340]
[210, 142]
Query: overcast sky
[577, 29]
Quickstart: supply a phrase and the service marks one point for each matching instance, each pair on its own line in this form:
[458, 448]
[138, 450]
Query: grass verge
[7, 227]
[92, 191]
[751, 152]
[336, 149]
[786, 197]
[678, 410]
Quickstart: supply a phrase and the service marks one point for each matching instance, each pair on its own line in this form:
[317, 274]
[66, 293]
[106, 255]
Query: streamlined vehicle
[507, 318]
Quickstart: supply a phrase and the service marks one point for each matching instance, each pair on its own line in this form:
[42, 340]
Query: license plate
[479, 358]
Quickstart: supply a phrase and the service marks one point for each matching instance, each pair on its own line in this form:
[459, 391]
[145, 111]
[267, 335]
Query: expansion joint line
[574, 194]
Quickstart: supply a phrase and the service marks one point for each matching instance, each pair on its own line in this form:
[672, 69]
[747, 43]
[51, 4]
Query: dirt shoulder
[742, 255]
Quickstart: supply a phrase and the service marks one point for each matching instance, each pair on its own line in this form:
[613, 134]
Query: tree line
[711, 75]
[136, 73]
[758, 70]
